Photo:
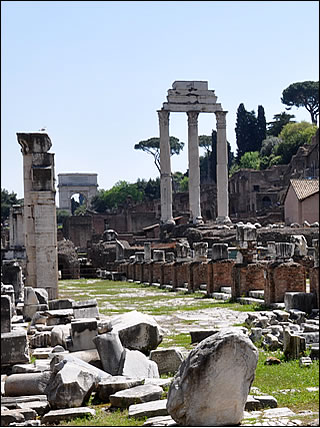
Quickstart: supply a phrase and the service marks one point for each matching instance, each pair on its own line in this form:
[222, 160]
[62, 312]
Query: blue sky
[95, 73]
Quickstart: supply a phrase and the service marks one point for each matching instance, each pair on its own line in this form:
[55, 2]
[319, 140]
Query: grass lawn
[119, 297]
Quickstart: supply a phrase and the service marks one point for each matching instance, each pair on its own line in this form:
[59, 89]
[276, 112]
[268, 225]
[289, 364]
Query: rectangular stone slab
[149, 409]
[67, 414]
[14, 347]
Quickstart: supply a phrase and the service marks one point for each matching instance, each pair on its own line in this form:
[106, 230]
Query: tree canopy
[152, 147]
[7, 200]
[303, 94]
[279, 121]
[250, 130]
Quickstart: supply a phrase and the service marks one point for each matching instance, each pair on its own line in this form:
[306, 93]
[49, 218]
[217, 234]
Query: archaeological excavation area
[177, 329]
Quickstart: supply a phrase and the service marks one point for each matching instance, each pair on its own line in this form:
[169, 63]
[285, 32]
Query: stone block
[55, 416]
[136, 364]
[190, 84]
[135, 395]
[14, 348]
[200, 393]
[199, 335]
[110, 386]
[83, 333]
[30, 297]
[41, 407]
[137, 331]
[42, 295]
[41, 339]
[302, 301]
[168, 360]
[71, 386]
[149, 409]
[86, 309]
[27, 383]
[6, 314]
[219, 252]
[110, 351]
[30, 310]
[60, 304]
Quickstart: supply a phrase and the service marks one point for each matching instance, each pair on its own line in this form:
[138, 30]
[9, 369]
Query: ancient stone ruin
[193, 97]
[77, 353]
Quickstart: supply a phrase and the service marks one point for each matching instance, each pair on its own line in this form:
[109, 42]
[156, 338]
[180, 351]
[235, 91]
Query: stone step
[249, 300]
[226, 290]
[257, 294]
[220, 296]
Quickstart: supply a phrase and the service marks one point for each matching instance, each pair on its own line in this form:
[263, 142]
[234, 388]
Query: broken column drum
[193, 97]
[40, 225]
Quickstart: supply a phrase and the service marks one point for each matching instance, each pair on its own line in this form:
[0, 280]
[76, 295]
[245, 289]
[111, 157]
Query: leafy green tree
[266, 151]
[293, 135]
[279, 121]
[152, 147]
[7, 200]
[250, 160]
[303, 94]
[116, 196]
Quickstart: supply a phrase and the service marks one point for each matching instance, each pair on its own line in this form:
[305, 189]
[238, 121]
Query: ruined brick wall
[200, 274]
[168, 272]
[138, 271]
[181, 274]
[314, 283]
[157, 272]
[247, 277]
[282, 278]
[147, 269]
[222, 274]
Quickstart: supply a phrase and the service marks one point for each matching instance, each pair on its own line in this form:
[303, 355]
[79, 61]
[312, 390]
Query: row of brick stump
[269, 279]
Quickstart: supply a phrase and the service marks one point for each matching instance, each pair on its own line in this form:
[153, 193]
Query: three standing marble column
[194, 168]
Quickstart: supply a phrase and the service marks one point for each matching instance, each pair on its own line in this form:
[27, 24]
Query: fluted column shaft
[194, 167]
[165, 168]
[222, 169]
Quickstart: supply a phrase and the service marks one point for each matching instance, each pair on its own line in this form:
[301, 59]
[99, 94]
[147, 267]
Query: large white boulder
[213, 382]
[137, 331]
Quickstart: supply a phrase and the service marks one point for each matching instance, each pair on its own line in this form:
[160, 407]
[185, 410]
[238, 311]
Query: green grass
[288, 375]
[106, 418]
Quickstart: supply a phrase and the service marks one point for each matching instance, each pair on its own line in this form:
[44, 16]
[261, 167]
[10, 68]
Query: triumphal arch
[193, 97]
[70, 184]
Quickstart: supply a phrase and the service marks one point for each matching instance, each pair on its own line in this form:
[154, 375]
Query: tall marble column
[222, 169]
[165, 169]
[194, 168]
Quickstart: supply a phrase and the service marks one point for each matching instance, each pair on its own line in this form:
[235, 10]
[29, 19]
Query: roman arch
[193, 97]
[71, 183]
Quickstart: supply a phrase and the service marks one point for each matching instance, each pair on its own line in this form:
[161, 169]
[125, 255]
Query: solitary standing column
[165, 169]
[222, 169]
[194, 168]
[40, 225]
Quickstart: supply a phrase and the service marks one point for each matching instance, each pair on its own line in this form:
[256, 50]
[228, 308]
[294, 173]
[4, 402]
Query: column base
[223, 220]
[197, 221]
[168, 222]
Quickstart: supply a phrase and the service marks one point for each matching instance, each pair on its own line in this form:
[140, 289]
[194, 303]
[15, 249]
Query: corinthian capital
[193, 117]
[221, 119]
[164, 117]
